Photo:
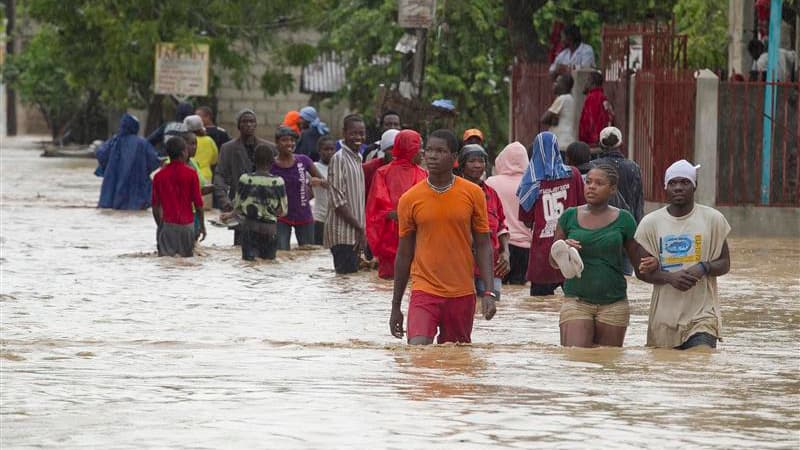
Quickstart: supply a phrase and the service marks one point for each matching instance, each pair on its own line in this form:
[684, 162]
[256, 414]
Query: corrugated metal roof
[325, 75]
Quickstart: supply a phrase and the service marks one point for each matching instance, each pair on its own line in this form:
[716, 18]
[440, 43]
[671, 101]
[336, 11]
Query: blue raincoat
[126, 161]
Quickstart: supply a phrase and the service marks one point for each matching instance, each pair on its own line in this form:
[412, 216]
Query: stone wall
[270, 110]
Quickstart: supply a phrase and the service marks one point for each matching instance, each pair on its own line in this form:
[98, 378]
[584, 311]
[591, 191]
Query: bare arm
[558, 236]
[344, 212]
[503, 264]
[402, 271]
[316, 177]
[721, 265]
[548, 118]
[683, 280]
[634, 252]
[202, 217]
[221, 184]
[483, 244]
[158, 214]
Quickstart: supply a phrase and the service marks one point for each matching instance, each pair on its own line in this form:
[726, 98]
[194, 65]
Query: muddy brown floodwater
[104, 345]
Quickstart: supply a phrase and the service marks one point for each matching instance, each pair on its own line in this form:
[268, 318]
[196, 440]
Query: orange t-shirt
[443, 259]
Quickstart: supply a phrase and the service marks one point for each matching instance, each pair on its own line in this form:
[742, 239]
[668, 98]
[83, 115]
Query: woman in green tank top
[595, 310]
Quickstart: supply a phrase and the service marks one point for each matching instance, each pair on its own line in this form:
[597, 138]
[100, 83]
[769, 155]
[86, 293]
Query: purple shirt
[298, 190]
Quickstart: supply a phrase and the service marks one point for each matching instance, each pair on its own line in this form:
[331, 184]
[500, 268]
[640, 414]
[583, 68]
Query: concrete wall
[270, 110]
[754, 221]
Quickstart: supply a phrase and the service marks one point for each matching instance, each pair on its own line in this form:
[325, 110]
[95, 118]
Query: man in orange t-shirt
[439, 222]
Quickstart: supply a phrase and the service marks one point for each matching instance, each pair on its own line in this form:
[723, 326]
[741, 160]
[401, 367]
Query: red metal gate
[664, 105]
[741, 129]
[531, 95]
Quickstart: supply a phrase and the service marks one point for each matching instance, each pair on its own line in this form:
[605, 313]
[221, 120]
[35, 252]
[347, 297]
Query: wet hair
[207, 111]
[573, 32]
[596, 77]
[174, 147]
[448, 137]
[389, 112]
[351, 119]
[578, 153]
[609, 141]
[611, 173]
[568, 81]
[324, 140]
[263, 155]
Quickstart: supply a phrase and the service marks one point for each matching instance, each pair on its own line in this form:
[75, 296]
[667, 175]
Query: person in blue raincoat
[125, 163]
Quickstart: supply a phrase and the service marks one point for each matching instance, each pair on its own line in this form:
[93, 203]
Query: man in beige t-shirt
[685, 249]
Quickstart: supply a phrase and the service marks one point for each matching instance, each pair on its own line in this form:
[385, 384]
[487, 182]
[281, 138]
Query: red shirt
[597, 114]
[497, 221]
[176, 188]
[555, 196]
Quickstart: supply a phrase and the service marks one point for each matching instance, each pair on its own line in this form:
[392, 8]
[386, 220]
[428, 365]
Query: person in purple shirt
[299, 174]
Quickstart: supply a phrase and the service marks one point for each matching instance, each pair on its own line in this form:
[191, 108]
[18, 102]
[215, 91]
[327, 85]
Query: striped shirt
[346, 179]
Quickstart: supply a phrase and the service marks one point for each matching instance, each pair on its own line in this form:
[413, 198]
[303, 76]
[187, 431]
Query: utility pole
[418, 63]
[419, 16]
[11, 96]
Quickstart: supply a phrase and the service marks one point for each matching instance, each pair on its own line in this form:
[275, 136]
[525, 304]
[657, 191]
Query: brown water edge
[103, 344]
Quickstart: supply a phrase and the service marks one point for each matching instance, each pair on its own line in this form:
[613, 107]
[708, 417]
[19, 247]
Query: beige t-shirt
[679, 243]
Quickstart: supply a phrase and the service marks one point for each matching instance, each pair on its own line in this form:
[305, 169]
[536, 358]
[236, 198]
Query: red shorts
[453, 317]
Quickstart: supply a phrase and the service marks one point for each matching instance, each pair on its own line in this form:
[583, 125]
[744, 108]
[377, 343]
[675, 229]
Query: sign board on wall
[416, 13]
[180, 72]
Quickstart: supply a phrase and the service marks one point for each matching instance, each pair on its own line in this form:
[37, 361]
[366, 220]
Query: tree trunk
[518, 19]
[155, 113]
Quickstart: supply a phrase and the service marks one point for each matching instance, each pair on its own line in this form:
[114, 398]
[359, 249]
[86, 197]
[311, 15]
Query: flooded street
[105, 345]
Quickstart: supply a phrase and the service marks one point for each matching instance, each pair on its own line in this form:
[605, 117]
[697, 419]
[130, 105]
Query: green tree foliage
[590, 15]
[705, 22]
[109, 45]
[41, 81]
[468, 56]
[474, 43]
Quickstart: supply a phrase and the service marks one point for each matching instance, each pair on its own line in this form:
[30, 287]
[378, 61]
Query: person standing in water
[260, 200]
[176, 198]
[389, 184]
[344, 227]
[439, 222]
[125, 162]
[298, 173]
[684, 249]
[509, 166]
[545, 191]
[588, 249]
[472, 165]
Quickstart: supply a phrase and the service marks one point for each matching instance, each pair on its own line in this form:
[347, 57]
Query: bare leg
[577, 333]
[420, 340]
[609, 335]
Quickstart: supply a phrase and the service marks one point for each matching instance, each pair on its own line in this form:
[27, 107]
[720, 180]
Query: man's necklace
[443, 189]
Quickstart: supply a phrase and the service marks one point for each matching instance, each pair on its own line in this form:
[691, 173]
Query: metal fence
[664, 117]
[740, 138]
[531, 94]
